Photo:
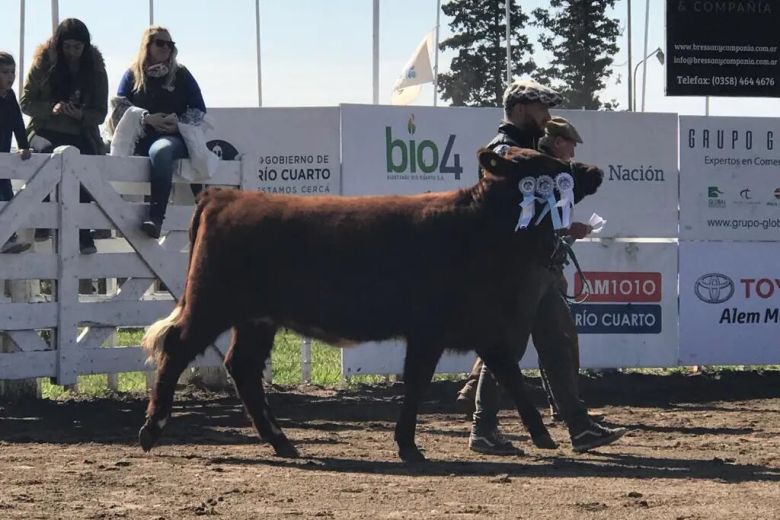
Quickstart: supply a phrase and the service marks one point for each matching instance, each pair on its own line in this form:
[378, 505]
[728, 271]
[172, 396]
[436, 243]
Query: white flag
[416, 72]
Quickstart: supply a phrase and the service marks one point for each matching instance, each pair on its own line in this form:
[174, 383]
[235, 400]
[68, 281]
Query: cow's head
[517, 163]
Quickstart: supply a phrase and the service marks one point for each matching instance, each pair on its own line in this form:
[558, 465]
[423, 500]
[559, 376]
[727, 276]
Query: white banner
[294, 150]
[729, 184]
[638, 153]
[405, 150]
[729, 306]
[629, 320]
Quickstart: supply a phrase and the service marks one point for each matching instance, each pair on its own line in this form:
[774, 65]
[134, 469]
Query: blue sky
[314, 52]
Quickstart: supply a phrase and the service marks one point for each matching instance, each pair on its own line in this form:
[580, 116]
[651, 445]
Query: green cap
[560, 127]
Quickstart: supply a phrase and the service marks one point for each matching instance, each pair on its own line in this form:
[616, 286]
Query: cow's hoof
[148, 436]
[544, 441]
[286, 450]
[411, 454]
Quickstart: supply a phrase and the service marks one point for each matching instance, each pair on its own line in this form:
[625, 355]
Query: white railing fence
[63, 334]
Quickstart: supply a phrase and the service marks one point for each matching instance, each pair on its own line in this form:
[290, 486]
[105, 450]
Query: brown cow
[441, 270]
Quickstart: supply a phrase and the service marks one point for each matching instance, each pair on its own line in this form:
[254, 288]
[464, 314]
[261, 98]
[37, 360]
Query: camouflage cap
[561, 127]
[530, 91]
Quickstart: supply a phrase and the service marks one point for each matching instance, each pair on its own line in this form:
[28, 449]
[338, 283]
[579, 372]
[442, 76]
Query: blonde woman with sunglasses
[157, 83]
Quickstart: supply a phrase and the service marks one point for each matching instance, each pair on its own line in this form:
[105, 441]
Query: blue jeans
[162, 153]
[6, 191]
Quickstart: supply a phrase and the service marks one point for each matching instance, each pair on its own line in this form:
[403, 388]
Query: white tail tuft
[154, 339]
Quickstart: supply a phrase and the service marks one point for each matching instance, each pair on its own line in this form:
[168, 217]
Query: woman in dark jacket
[166, 90]
[66, 97]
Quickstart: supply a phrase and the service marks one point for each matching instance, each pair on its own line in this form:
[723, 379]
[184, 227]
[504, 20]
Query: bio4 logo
[411, 156]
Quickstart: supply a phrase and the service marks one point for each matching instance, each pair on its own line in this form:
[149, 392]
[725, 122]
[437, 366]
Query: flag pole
[508, 42]
[21, 45]
[644, 65]
[259, 68]
[375, 71]
[151, 12]
[55, 15]
[436, 55]
[630, 92]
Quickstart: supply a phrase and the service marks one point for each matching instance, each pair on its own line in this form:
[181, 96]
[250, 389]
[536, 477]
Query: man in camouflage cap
[526, 112]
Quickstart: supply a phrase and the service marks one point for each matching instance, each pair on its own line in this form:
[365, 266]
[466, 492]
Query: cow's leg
[182, 343]
[504, 367]
[175, 357]
[419, 365]
[245, 361]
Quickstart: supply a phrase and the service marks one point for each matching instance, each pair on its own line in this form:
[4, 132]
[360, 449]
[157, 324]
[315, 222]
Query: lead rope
[585, 289]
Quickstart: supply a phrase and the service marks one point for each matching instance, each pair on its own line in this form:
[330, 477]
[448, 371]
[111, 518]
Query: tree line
[578, 34]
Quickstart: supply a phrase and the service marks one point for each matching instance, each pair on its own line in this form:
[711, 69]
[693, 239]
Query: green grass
[285, 360]
[286, 363]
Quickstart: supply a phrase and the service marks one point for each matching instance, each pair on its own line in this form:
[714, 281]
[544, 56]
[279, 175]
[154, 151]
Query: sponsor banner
[729, 308]
[620, 287]
[722, 48]
[405, 150]
[729, 188]
[629, 318]
[617, 318]
[630, 321]
[638, 153]
[292, 150]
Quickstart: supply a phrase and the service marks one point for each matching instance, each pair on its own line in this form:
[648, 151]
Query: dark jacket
[543, 238]
[11, 122]
[38, 99]
[155, 97]
[510, 135]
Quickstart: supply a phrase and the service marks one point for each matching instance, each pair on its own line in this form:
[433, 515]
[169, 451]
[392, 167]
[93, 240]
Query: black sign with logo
[723, 48]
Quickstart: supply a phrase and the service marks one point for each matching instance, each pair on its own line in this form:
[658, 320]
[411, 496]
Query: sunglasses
[165, 43]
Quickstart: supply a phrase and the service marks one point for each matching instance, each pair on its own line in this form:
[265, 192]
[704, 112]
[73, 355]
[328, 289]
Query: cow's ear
[495, 164]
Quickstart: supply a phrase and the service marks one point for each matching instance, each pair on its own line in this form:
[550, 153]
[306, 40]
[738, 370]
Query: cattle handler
[527, 124]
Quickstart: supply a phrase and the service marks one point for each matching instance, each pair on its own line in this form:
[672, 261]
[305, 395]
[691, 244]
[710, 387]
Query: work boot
[13, 246]
[86, 242]
[593, 436]
[152, 227]
[42, 234]
[492, 442]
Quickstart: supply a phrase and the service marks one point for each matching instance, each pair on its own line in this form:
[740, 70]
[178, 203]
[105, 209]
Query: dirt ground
[699, 447]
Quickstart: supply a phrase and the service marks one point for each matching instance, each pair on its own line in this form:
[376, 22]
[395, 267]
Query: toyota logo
[714, 288]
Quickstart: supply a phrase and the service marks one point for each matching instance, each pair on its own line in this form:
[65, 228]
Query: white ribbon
[501, 149]
[545, 187]
[597, 223]
[528, 205]
[564, 182]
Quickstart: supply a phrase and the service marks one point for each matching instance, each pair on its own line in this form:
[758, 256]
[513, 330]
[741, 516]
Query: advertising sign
[294, 150]
[729, 307]
[638, 153]
[729, 183]
[722, 48]
[405, 150]
[628, 320]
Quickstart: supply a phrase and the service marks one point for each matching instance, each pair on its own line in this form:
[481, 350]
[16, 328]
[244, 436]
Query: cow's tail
[153, 342]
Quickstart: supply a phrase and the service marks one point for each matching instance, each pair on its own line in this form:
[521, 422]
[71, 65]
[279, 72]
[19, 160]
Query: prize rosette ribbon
[527, 187]
[545, 188]
[564, 182]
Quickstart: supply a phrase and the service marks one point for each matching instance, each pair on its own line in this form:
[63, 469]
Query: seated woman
[66, 97]
[166, 90]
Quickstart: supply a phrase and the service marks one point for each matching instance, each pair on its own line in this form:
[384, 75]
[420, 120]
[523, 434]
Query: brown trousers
[555, 338]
